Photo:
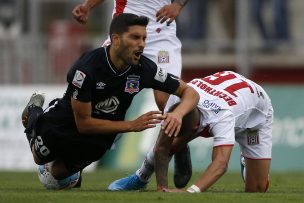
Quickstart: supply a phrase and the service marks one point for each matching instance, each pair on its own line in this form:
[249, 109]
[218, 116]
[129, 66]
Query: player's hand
[168, 13]
[81, 13]
[147, 120]
[172, 124]
[175, 190]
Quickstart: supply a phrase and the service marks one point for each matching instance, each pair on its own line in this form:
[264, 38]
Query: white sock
[147, 167]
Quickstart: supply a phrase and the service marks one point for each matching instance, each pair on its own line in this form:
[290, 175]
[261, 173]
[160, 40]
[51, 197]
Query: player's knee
[159, 149]
[59, 170]
[58, 175]
[260, 187]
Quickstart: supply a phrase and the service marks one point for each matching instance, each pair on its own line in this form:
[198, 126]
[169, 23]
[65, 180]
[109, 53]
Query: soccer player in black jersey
[80, 127]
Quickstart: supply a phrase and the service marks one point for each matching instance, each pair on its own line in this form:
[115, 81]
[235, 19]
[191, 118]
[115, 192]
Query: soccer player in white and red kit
[231, 109]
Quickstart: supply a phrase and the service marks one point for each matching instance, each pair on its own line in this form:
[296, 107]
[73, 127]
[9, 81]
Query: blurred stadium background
[39, 41]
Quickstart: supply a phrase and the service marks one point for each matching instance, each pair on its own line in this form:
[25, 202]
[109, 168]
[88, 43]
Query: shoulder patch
[161, 75]
[78, 78]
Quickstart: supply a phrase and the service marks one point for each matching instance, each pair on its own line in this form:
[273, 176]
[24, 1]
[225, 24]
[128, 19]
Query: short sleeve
[80, 86]
[223, 131]
[157, 78]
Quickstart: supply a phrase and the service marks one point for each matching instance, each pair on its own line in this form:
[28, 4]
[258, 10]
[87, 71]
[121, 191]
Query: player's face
[132, 44]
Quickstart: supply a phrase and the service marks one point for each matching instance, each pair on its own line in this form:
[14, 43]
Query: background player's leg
[161, 99]
[182, 160]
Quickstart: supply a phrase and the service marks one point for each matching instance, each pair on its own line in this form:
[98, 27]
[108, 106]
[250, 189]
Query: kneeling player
[231, 108]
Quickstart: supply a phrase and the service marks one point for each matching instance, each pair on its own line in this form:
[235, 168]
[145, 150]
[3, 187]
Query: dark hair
[123, 21]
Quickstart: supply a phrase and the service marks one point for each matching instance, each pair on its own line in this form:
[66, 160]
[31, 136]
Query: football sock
[147, 168]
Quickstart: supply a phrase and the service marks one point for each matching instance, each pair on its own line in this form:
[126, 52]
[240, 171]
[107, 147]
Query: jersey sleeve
[223, 131]
[80, 85]
[157, 78]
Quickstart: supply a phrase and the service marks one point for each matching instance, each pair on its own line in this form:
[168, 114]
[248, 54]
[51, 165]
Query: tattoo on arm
[182, 3]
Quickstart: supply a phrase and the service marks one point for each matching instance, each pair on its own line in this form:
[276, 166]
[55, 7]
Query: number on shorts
[44, 151]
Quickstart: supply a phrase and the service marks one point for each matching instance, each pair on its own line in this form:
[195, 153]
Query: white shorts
[165, 51]
[256, 144]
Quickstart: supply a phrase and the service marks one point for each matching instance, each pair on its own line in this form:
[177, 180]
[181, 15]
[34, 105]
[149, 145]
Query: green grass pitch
[24, 187]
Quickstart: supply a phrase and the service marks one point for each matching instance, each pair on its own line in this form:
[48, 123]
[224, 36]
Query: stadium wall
[288, 134]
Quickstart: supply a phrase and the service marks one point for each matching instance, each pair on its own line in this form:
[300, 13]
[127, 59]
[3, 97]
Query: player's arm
[81, 11]
[86, 124]
[170, 12]
[189, 100]
[218, 166]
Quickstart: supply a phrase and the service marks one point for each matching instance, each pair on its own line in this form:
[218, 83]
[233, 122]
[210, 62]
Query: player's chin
[134, 61]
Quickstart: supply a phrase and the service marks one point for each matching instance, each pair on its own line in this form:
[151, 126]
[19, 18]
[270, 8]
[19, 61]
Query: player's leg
[161, 99]
[255, 159]
[166, 53]
[30, 114]
[257, 175]
[172, 145]
[182, 158]
[52, 173]
[256, 147]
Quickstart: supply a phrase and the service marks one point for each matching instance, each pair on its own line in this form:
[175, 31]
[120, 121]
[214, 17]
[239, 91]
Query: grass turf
[24, 187]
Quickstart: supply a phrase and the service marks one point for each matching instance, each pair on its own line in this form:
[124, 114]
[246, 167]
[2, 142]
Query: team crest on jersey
[132, 84]
[78, 78]
[253, 138]
[163, 57]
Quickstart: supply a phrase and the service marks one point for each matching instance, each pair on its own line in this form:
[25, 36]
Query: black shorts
[61, 140]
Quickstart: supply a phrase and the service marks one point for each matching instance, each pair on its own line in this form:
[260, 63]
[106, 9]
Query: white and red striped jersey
[227, 90]
[230, 103]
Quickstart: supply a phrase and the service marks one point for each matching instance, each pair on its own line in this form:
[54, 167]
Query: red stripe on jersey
[256, 158]
[120, 7]
[224, 145]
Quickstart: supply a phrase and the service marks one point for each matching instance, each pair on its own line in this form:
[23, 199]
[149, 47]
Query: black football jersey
[93, 78]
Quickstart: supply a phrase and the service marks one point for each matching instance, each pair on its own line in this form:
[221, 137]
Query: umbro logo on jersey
[100, 85]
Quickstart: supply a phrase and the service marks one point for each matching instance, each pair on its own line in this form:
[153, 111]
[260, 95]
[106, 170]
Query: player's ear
[115, 40]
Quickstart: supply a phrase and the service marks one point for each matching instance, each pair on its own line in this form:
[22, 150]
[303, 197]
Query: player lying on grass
[79, 128]
[231, 108]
